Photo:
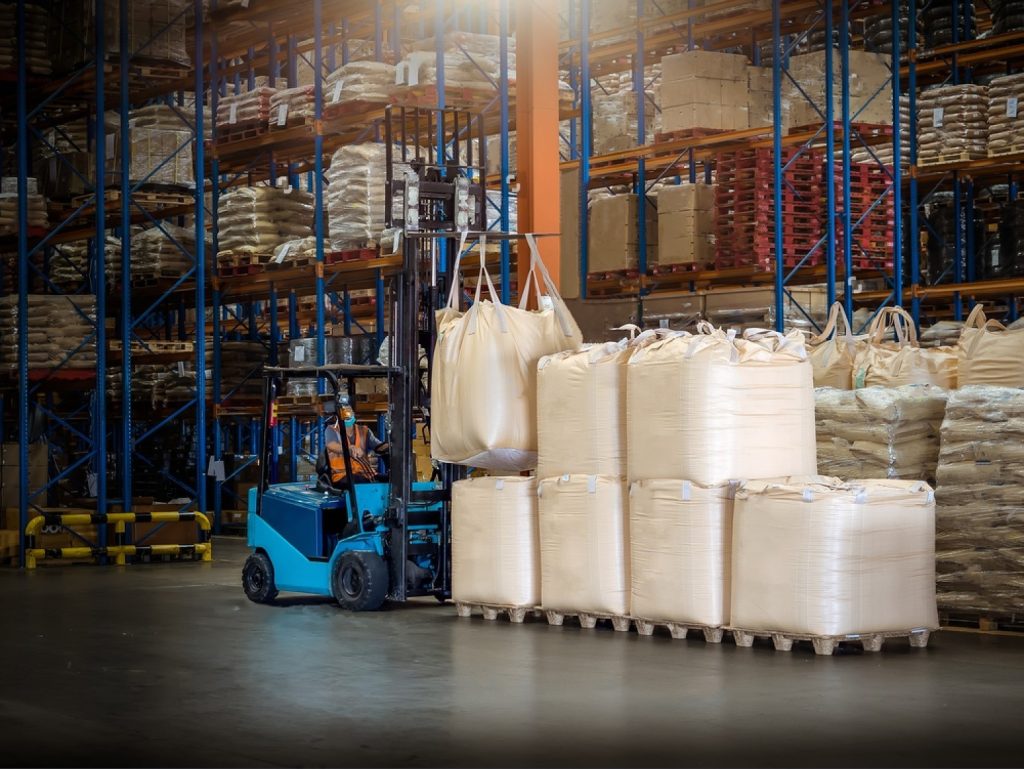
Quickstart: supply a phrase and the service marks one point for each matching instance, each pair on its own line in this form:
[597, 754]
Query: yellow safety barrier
[120, 550]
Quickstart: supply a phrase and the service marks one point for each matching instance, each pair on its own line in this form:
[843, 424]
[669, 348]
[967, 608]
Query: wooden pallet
[825, 645]
[251, 130]
[982, 622]
[588, 620]
[154, 197]
[351, 255]
[712, 633]
[1008, 152]
[947, 158]
[516, 614]
[687, 134]
[291, 263]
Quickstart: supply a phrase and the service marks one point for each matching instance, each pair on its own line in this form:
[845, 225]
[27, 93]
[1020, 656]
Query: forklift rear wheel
[359, 581]
[258, 579]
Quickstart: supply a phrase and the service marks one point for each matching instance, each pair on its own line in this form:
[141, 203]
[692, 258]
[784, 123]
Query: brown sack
[989, 353]
[891, 364]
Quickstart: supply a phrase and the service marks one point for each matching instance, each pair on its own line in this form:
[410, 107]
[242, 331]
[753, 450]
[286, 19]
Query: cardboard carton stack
[686, 224]
[870, 88]
[613, 233]
[760, 102]
[704, 90]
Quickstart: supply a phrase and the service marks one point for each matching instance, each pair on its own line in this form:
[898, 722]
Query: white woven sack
[989, 353]
[484, 386]
[831, 354]
[891, 364]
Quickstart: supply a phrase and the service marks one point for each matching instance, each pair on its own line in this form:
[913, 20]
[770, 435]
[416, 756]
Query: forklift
[365, 543]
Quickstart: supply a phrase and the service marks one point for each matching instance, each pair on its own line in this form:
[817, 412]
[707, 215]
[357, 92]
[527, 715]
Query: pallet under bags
[818, 556]
[584, 556]
[713, 407]
[484, 387]
[891, 364]
[989, 354]
[495, 545]
[680, 536]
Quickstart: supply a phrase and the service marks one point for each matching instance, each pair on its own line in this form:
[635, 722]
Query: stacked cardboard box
[760, 102]
[870, 88]
[704, 90]
[613, 241]
[686, 224]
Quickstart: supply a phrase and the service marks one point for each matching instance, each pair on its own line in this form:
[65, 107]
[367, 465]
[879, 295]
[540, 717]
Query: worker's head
[345, 412]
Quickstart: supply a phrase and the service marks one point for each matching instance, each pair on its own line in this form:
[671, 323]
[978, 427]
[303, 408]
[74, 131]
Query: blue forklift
[365, 543]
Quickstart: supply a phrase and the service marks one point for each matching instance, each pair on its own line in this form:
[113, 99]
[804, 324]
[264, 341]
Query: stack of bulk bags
[495, 544]
[890, 364]
[821, 558]
[582, 493]
[832, 355]
[484, 386]
[704, 410]
[989, 353]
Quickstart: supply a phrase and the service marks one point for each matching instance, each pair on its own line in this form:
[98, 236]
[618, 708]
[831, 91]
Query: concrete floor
[170, 665]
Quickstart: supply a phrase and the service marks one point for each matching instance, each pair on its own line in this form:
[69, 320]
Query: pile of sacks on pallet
[948, 414]
[259, 219]
[675, 485]
[61, 331]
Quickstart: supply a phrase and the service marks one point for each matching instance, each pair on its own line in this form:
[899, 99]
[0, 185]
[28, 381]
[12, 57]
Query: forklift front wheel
[359, 581]
[258, 578]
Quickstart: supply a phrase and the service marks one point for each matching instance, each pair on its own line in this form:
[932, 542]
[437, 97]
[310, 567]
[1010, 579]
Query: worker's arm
[332, 440]
[375, 444]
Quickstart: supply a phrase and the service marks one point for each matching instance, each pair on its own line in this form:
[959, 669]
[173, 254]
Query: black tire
[359, 581]
[258, 579]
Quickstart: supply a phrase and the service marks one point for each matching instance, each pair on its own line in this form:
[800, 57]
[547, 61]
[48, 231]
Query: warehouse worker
[364, 446]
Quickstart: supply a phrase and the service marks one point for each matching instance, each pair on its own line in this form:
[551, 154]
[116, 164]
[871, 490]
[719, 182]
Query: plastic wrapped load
[891, 364]
[291, 105]
[61, 331]
[484, 387]
[614, 109]
[248, 109]
[262, 218]
[167, 251]
[355, 195]
[240, 363]
[69, 264]
[37, 216]
[471, 60]
[824, 557]
[584, 553]
[945, 333]
[989, 353]
[680, 536]
[496, 542]
[952, 123]
[293, 251]
[161, 147]
[879, 432]
[883, 153]
[37, 54]
[1005, 121]
[372, 81]
[832, 354]
[979, 526]
[581, 407]
[157, 29]
[1007, 15]
[714, 406]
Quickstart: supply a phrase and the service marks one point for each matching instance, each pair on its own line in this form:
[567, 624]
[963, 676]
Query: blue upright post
[844, 54]
[897, 187]
[777, 163]
[99, 283]
[200, 266]
[23, 268]
[586, 137]
[830, 161]
[127, 445]
[915, 242]
[505, 169]
[640, 186]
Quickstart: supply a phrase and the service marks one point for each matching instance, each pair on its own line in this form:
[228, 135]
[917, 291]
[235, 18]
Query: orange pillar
[537, 128]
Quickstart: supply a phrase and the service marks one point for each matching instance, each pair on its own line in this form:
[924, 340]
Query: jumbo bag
[713, 406]
[832, 354]
[988, 353]
[903, 362]
[484, 379]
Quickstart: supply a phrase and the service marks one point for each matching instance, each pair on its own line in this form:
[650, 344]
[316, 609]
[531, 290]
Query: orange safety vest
[364, 464]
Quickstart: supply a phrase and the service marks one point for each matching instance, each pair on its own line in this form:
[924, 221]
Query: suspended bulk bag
[483, 392]
[712, 407]
[581, 410]
[891, 364]
[495, 541]
[821, 556]
[989, 354]
[680, 536]
[584, 559]
[832, 355]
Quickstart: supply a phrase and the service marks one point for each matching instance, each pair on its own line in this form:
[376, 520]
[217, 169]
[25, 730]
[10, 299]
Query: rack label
[282, 115]
[337, 91]
[1011, 107]
[937, 117]
[299, 353]
[233, 113]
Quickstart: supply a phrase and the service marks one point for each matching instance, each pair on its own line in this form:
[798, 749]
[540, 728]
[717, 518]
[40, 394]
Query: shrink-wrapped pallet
[495, 542]
[1005, 120]
[980, 528]
[891, 364]
[471, 60]
[584, 554]
[823, 557]
[989, 353]
[355, 195]
[484, 386]
[161, 146]
[714, 407]
[262, 218]
[37, 216]
[166, 251]
[69, 264]
[372, 81]
[680, 536]
[832, 354]
[157, 29]
[61, 331]
[581, 408]
[249, 109]
[879, 432]
[952, 123]
[291, 105]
